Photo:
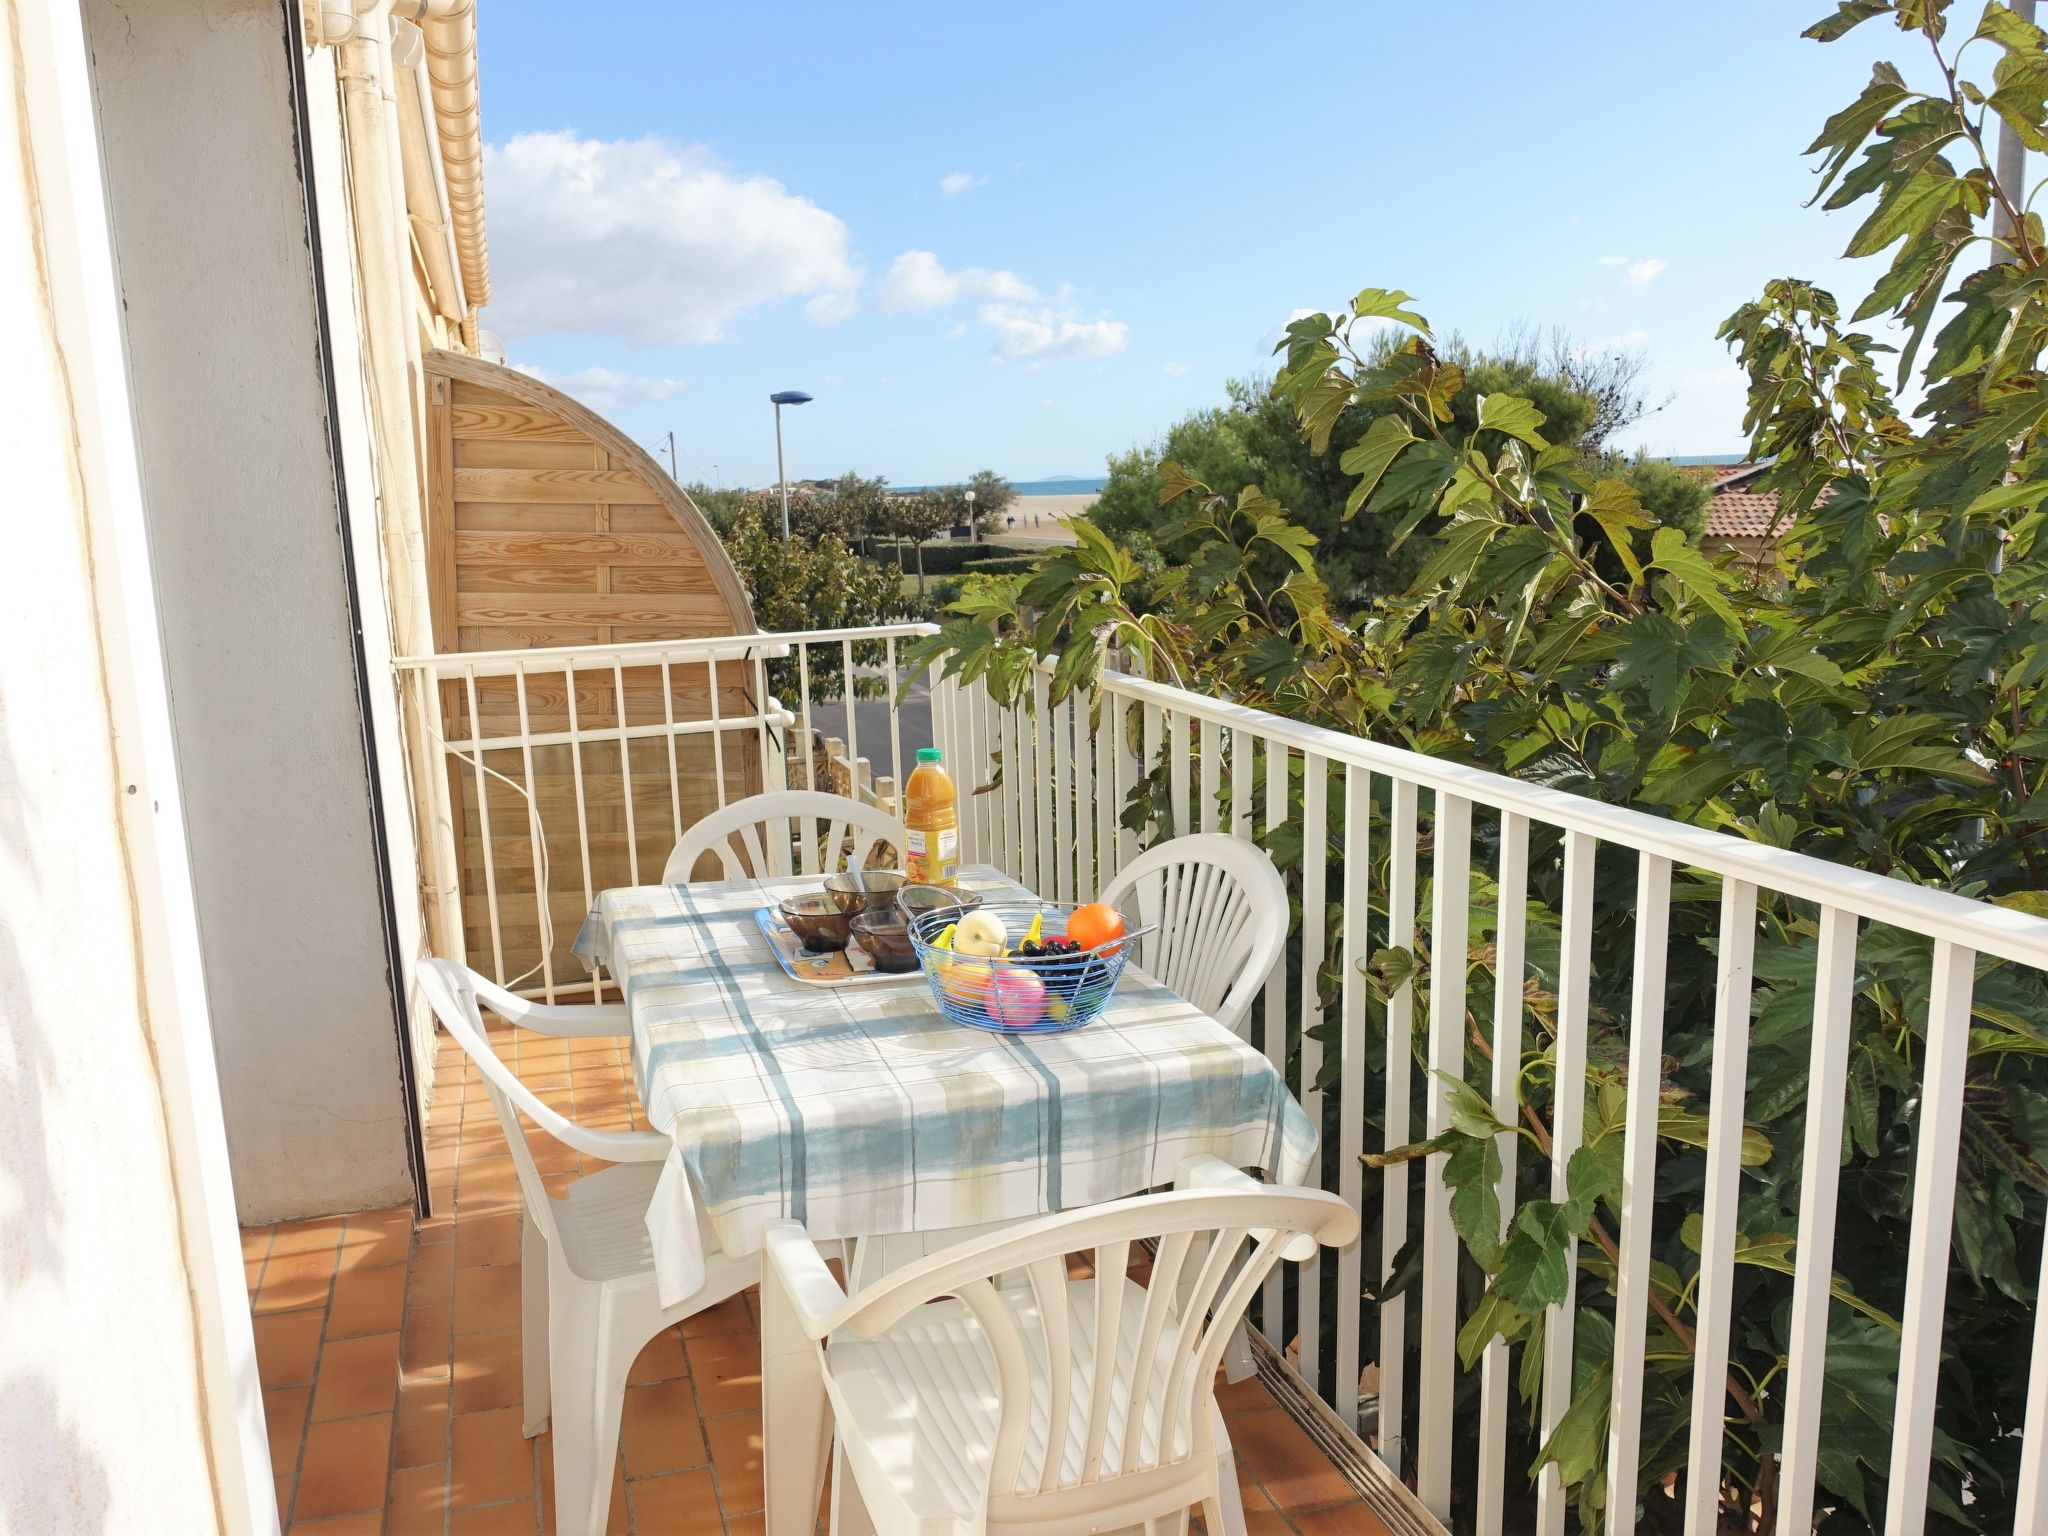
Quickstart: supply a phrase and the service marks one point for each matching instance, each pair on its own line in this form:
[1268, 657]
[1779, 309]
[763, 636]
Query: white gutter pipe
[425, 190]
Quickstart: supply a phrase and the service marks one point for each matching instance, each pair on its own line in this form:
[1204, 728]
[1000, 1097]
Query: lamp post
[973, 534]
[783, 397]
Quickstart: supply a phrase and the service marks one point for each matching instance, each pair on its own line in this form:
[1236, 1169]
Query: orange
[1094, 925]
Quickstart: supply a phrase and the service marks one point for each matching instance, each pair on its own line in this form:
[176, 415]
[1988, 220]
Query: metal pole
[2012, 154]
[781, 474]
[673, 474]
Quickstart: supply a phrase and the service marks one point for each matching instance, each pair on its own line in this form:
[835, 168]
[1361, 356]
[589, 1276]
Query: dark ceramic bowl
[863, 890]
[816, 921]
[916, 900]
[886, 938]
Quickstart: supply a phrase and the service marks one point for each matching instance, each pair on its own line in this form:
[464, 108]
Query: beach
[1051, 512]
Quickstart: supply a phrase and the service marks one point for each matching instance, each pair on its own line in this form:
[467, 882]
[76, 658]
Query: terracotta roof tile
[1742, 514]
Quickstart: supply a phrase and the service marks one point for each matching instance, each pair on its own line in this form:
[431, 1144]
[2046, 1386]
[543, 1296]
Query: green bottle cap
[930, 755]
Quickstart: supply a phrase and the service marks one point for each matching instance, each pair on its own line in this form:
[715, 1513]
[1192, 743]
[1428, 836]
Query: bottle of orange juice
[932, 818]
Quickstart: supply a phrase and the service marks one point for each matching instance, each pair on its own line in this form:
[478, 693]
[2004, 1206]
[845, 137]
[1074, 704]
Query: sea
[1059, 485]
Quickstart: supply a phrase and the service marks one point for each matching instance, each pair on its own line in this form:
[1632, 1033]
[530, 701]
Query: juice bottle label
[932, 858]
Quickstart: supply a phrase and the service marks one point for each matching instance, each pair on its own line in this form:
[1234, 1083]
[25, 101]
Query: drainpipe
[370, 81]
[420, 158]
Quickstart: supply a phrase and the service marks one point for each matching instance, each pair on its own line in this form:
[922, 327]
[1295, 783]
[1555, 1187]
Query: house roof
[1742, 514]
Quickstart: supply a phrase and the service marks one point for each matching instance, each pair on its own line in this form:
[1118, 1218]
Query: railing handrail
[1988, 929]
[758, 646]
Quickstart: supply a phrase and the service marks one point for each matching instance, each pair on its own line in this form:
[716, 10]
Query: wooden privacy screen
[547, 527]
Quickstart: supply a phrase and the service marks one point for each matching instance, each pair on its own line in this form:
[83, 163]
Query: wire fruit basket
[1014, 994]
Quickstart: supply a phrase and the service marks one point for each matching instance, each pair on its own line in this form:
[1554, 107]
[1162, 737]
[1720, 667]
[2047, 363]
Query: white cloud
[1042, 334]
[918, 280]
[655, 242]
[1625, 339]
[1613, 261]
[956, 182]
[605, 389]
[1641, 273]
[1176, 370]
[1025, 325]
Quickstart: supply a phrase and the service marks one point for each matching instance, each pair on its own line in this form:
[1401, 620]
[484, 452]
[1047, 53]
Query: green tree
[992, 498]
[812, 582]
[917, 518]
[1255, 440]
[1881, 700]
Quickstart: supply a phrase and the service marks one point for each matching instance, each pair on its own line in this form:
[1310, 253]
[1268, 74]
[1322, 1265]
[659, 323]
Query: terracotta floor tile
[426, 1345]
[727, 1371]
[487, 1371]
[735, 1443]
[660, 1359]
[1286, 1461]
[493, 1520]
[316, 1232]
[659, 1431]
[1247, 1396]
[680, 1504]
[729, 1316]
[421, 1434]
[357, 1376]
[430, 1280]
[367, 1301]
[618, 1514]
[284, 1416]
[343, 1468]
[369, 1524]
[439, 1228]
[256, 1242]
[284, 1499]
[747, 1525]
[287, 1344]
[1352, 1519]
[492, 1185]
[295, 1280]
[492, 1239]
[375, 1238]
[418, 1501]
[486, 1297]
[492, 1461]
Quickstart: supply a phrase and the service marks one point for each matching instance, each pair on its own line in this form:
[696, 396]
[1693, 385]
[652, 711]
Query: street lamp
[783, 397]
[973, 537]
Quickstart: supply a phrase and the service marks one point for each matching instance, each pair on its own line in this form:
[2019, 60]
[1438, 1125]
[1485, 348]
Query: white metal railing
[594, 759]
[571, 769]
[1053, 816]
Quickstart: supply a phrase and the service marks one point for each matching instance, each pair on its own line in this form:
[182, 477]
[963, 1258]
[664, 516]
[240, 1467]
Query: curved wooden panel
[548, 526]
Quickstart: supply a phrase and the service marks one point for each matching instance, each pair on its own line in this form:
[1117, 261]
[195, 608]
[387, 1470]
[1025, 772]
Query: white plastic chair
[586, 1265]
[1220, 910]
[943, 1383]
[753, 837]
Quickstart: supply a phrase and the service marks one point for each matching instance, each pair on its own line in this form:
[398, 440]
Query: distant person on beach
[1013, 522]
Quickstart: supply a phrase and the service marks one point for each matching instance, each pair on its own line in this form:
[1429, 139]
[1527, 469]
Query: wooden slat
[511, 453]
[476, 419]
[525, 548]
[512, 517]
[676, 577]
[515, 579]
[521, 486]
[688, 614]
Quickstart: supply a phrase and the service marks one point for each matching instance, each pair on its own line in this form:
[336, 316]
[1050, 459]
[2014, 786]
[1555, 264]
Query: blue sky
[692, 206]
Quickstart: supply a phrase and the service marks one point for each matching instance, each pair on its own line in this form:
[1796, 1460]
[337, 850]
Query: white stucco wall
[128, 1394]
[211, 242]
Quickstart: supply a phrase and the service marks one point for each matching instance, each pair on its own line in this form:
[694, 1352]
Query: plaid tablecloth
[861, 1111]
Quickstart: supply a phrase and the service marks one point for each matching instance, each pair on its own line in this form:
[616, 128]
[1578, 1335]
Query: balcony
[1397, 852]
[390, 1358]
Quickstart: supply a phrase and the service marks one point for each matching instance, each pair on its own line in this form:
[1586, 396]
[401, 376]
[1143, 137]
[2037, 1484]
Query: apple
[1016, 998]
[980, 933]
